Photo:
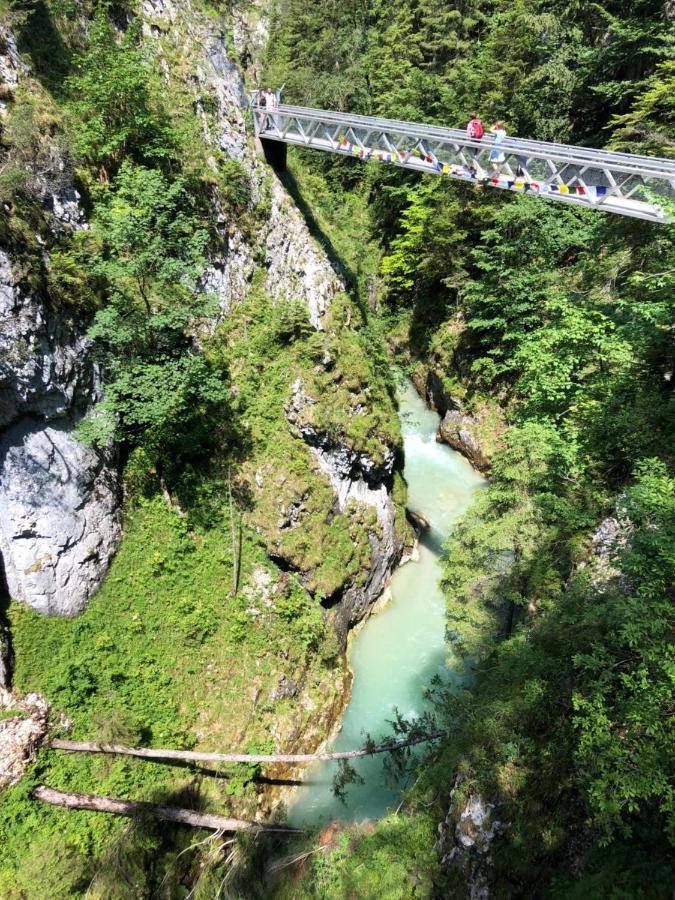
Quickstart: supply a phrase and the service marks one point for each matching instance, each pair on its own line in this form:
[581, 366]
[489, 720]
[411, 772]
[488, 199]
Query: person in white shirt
[272, 104]
[497, 156]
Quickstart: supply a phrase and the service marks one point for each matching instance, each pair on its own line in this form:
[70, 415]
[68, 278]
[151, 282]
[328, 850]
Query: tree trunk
[193, 756]
[137, 808]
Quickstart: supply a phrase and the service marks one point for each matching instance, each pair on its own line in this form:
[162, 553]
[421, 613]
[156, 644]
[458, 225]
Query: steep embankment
[59, 501]
[557, 324]
[263, 509]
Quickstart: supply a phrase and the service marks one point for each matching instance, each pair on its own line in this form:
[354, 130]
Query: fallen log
[134, 808]
[199, 756]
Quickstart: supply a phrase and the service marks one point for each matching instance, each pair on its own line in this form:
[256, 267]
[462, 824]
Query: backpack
[262, 100]
[476, 129]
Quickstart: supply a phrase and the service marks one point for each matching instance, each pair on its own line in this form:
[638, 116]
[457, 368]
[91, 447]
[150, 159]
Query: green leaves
[147, 253]
[623, 702]
[115, 107]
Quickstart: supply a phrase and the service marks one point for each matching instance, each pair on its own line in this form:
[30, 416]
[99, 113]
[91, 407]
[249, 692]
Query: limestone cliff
[59, 501]
[60, 519]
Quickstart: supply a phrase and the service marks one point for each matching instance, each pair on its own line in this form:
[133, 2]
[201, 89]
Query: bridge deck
[621, 183]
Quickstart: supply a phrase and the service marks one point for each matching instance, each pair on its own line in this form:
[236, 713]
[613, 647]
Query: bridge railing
[622, 183]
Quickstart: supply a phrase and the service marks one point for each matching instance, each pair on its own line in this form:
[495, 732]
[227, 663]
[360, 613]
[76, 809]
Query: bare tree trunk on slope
[197, 756]
[134, 808]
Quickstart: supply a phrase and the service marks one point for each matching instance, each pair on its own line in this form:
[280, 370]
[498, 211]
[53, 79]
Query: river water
[399, 650]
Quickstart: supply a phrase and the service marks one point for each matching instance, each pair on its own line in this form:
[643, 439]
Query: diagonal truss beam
[620, 183]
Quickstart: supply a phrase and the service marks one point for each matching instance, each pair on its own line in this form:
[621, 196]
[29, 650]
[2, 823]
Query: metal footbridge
[620, 183]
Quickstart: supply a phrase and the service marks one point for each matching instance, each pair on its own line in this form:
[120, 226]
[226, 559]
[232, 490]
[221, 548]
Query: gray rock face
[465, 839]
[607, 541]
[44, 366]
[10, 65]
[458, 430]
[354, 477]
[297, 268]
[22, 730]
[59, 517]
[59, 502]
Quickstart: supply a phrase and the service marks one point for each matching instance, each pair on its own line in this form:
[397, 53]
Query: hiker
[497, 156]
[474, 132]
[272, 104]
[262, 109]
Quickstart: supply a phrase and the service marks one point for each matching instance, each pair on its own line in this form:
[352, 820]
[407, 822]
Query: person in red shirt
[474, 132]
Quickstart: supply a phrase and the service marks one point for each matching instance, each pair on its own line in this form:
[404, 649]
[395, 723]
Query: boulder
[60, 519]
[459, 431]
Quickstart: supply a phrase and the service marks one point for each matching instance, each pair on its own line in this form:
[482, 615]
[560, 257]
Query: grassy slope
[164, 655]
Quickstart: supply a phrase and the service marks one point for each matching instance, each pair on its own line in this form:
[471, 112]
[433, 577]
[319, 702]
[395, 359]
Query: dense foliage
[558, 322]
[202, 634]
[563, 321]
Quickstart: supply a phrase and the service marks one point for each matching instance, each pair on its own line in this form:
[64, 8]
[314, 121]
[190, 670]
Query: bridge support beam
[619, 183]
[275, 153]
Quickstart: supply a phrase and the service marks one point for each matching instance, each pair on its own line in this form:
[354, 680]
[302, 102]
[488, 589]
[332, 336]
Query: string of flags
[458, 171]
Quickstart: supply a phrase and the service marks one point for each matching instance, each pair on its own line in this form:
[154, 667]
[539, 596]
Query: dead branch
[198, 756]
[134, 808]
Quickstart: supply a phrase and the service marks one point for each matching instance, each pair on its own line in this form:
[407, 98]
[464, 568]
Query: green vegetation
[270, 349]
[396, 860]
[208, 631]
[163, 656]
[553, 322]
[558, 323]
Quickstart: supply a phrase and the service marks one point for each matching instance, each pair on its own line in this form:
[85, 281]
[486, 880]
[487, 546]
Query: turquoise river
[399, 650]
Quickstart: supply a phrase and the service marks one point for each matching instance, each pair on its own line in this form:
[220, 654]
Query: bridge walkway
[621, 183]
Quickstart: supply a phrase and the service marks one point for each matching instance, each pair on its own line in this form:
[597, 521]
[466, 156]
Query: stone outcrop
[356, 477]
[607, 541]
[296, 267]
[59, 503]
[472, 435]
[44, 367]
[24, 723]
[59, 521]
[465, 839]
[459, 430]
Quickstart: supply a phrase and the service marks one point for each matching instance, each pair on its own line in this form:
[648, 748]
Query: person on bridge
[272, 104]
[474, 132]
[261, 103]
[497, 156]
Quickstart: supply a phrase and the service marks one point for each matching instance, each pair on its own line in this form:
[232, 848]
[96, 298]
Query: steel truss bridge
[620, 183]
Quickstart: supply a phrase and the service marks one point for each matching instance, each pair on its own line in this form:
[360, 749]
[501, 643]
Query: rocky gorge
[317, 480]
[60, 519]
